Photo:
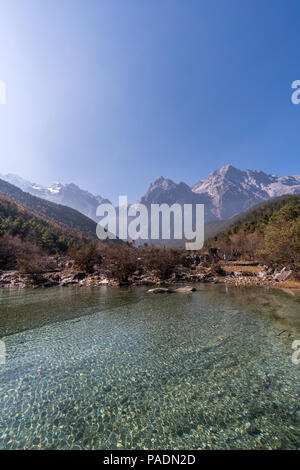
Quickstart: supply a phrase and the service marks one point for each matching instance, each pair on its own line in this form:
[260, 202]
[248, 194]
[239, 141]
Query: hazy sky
[111, 94]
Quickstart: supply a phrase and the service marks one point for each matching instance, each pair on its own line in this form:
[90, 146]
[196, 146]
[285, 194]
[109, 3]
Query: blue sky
[111, 94]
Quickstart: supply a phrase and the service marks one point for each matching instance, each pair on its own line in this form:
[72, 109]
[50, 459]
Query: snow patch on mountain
[233, 190]
[225, 192]
[66, 194]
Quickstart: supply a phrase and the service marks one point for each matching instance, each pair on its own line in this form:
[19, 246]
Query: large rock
[186, 289]
[68, 282]
[159, 290]
[283, 275]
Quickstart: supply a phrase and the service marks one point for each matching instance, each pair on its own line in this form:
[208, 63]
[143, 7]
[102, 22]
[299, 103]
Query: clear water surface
[105, 368]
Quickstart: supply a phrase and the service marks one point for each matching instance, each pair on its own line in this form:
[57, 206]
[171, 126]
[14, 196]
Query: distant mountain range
[49, 226]
[225, 192]
[62, 218]
[66, 194]
[232, 190]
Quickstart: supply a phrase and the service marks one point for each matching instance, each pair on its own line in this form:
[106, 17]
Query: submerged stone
[159, 290]
[186, 289]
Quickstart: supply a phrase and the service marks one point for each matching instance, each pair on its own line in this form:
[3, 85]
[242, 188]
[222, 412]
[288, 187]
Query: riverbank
[236, 274]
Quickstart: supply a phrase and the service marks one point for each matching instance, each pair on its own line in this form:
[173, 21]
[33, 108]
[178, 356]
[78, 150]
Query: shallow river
[109, 368]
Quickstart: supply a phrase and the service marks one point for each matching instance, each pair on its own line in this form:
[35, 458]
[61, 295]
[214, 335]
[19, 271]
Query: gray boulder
[159, 290]
[186, 289]
[283, 275]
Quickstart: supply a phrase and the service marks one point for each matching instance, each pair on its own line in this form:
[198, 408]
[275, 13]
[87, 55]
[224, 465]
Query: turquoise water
[106, 368]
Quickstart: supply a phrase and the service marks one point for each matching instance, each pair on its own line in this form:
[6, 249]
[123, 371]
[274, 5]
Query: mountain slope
[16, 221]
[225, 192]
[220, 228]
[232, 190]
[166, 191]
[256, 218]
[62, 217]
[269, 232]
[66, 194]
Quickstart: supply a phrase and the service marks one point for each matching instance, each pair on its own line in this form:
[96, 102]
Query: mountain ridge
[233, 190]
[64, 217]
[225, 192]
[68, 194]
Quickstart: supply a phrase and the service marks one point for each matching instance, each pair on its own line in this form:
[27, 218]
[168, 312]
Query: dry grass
[241, 269]
[291, 284]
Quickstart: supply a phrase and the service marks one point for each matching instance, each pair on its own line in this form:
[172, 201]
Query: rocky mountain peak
[233, 190]
[164, 190]
[163, 183]
[225, 192]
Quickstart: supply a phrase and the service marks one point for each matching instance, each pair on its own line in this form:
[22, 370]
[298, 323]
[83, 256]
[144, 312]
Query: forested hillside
[270, 231]
[18, 222]
[32, 229]
[63, 217]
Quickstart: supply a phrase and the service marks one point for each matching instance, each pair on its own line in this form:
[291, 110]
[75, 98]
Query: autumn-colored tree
[282, 237]
[162, 261]
[87, 256]
[121, 262]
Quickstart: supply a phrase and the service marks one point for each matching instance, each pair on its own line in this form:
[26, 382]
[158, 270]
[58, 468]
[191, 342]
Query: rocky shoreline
[261, 276]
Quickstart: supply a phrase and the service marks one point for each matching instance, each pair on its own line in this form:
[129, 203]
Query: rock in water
[186, 289]
[159, 290]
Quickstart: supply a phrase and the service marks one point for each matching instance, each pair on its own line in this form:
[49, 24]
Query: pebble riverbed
[105, 368]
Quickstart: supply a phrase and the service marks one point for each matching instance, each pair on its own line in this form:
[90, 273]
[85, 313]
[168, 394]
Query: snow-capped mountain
[225, 192]
[66, 194]
[232, 190]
